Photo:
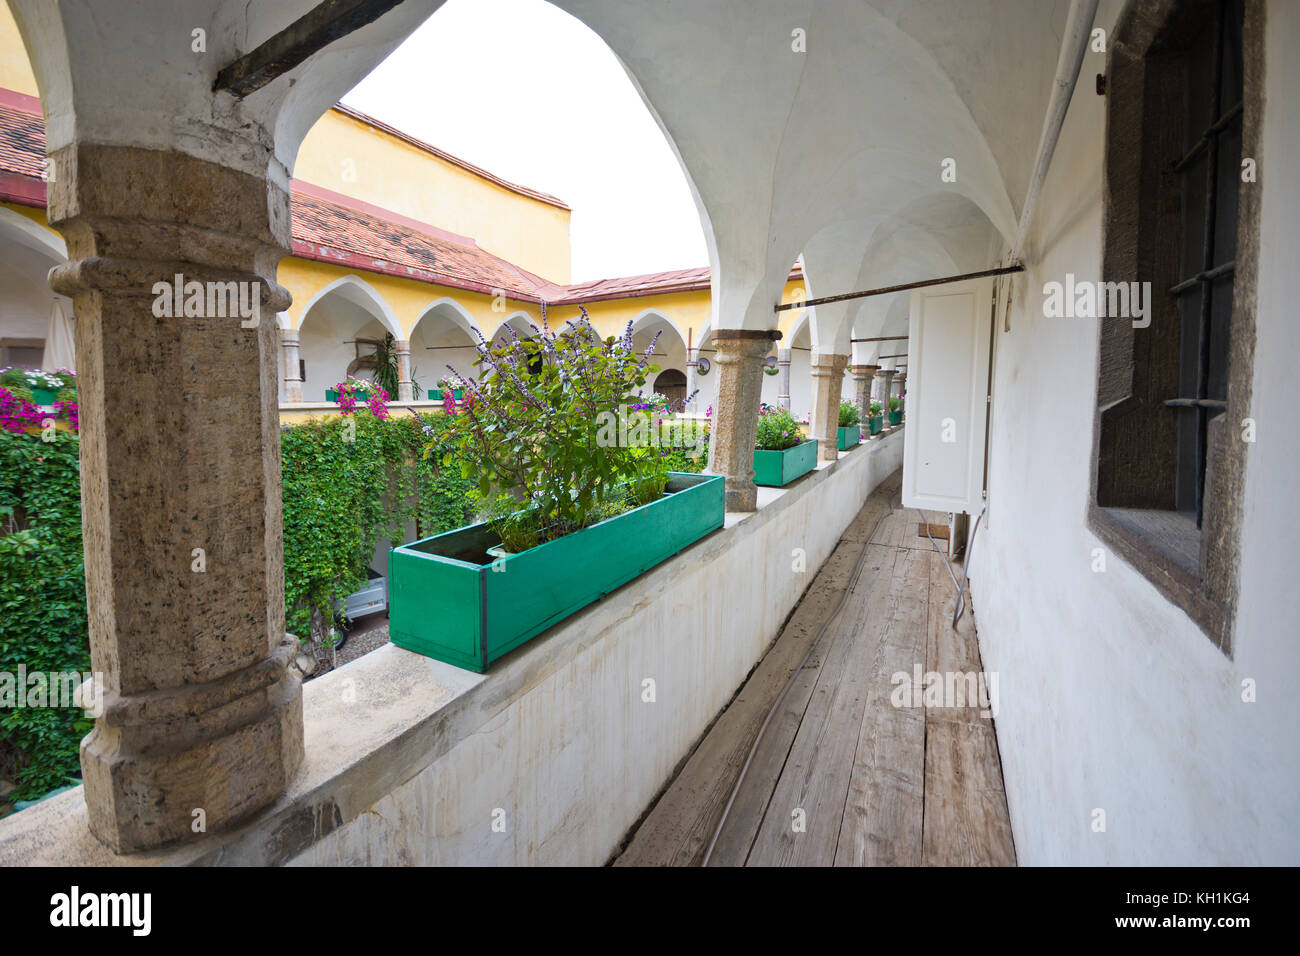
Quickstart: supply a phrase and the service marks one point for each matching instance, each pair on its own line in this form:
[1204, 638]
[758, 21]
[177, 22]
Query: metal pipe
[1074, 44]
[886, 290]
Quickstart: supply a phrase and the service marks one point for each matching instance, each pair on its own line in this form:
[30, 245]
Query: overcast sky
[526, 91]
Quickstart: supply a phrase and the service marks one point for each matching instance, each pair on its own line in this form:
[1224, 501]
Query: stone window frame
[1209, 596]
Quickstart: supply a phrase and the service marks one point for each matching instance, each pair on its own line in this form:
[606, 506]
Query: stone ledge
[371, 726]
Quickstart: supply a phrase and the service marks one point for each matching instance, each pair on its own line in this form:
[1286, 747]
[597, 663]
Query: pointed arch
[359, 292]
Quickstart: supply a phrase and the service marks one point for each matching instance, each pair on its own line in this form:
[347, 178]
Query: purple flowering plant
[530, 428]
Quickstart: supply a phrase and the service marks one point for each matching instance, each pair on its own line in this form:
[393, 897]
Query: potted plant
[849, 432]
[781, 453]
[354, 388]
[895, 410]
[435, 394]
[573, 506]
[874, 421]
[39, 387]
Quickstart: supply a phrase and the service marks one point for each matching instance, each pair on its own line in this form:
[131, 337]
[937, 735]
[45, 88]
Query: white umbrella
[60, 352]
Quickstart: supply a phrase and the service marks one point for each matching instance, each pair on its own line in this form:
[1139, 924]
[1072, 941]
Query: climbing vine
[42, 604]
[347, 483]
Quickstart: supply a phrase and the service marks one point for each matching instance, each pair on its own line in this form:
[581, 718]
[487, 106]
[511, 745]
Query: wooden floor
[842, 776]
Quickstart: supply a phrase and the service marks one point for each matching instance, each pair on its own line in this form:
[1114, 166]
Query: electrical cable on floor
[965, 568]
[857, 571]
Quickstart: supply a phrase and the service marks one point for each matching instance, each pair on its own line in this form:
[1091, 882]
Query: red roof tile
[330, 227]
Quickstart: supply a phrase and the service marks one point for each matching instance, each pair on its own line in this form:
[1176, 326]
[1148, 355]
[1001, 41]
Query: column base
[171, 765]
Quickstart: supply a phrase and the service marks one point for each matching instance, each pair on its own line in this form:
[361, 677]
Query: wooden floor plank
[802, 823]
[753, 802]
[966, 818]
[878, 784]
[678, 828]
[882, 822]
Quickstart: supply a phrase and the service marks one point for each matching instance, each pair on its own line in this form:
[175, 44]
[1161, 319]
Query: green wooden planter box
[331, 395]
[44, 396]
[874, 425]
[435, 394]
[777, 468]
[896, 418]
[849, 436]
[450, 601]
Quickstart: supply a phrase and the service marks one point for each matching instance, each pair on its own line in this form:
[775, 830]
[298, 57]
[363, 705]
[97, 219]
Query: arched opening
[341, 329]
[442, 342]
[35, 322]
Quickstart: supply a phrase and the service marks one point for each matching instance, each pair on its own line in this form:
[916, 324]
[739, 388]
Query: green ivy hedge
[343, 491]
[42, 602]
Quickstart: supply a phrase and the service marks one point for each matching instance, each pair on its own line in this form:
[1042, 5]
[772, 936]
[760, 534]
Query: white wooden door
[947, 389]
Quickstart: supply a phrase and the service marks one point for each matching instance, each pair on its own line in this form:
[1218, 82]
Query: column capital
[828, 363]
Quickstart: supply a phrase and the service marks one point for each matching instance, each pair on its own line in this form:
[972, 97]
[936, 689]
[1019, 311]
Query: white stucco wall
[1112, 698]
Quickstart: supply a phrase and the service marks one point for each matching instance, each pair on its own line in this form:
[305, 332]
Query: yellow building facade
[391, 235]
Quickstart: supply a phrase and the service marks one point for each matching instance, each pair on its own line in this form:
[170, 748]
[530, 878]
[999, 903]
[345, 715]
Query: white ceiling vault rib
[837, 151]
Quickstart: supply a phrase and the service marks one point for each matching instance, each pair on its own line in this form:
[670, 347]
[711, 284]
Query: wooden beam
[882, 338]
[317, 29]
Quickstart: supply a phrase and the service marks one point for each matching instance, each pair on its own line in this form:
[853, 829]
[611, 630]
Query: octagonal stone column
[861, 376]
[740, 355]
[292, 365]
[180, 488]
[405, 387]
[886, 376]
[828, 385]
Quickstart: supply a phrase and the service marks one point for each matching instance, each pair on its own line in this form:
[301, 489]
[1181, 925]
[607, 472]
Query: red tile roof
[330, 227]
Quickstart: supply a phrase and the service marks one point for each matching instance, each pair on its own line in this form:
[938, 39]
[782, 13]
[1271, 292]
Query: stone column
[827, 387]
[292, 365]
[783, 363]
[405, 388]
[886, 390]
[740, 356]
[180, 488]
[862, 376]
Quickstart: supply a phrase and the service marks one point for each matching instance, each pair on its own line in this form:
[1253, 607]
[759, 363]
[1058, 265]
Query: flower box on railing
[896, 418]
[44, 396]
[435, 394]
[450, 600]
[874, 425]
[332, 395]
[848, 437]
[777, 468]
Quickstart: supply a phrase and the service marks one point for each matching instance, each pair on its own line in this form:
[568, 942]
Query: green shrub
[42, 601]
[340, 498]
[850, 414]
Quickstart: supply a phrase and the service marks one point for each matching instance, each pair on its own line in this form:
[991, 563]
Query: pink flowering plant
[535, 423]
[350, 393]
[16, 414]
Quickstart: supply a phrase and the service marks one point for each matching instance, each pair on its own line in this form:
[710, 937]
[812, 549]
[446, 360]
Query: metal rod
[886, 290]
[1209, 275]
[1207, 253]
[882, 338]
